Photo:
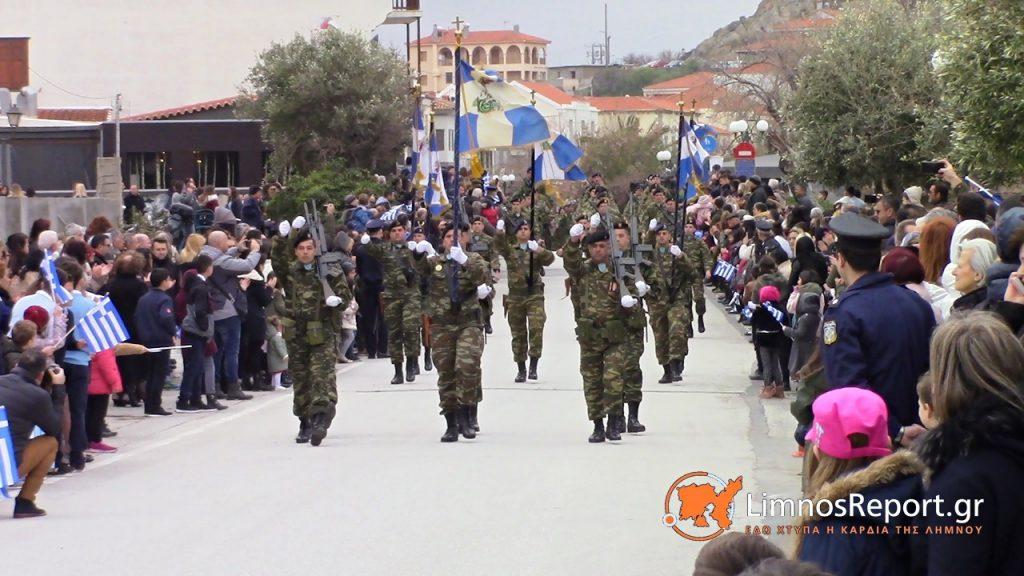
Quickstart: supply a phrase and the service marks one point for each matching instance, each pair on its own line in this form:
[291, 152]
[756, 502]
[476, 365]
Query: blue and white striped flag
[495, 114]
[775, 312]
[725, 271]
[102, 327]
[49, 269]
[556, 159]
[8, 465]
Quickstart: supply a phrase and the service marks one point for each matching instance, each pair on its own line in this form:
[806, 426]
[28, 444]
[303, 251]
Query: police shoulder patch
[830, 333]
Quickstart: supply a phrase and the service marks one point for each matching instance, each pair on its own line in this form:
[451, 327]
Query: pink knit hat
[769, 294]
[838, 414]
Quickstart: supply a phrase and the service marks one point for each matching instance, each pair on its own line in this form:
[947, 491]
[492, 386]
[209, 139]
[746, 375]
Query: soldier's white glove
[424, 247]
[675, 251]
[628, 301]
[364, 239]
[411, 245]
[458, 255]
[501, 225]
[299, 222]
[532, 245]
[482, 291]
[284, 228]
[642, 288]
[652, 224]
[333, 301]
[595, 220]
[576, 231]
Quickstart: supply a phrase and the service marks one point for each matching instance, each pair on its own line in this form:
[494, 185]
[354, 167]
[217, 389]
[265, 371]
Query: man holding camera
[28, 406]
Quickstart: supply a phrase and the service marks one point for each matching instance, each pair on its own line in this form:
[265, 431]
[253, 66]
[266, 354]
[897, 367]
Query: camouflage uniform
[400, 298]
[483, 245]
[456, 330]
[700, 256]
[669, 303]
[602, 330]
[525, 306]
[310, 331]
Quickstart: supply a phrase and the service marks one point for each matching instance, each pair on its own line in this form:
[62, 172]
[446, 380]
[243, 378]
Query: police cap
[765, 225]
[375, 224]
[854, 230]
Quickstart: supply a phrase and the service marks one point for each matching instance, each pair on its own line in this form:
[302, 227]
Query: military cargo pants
[668, 322]
[402, 317]
[456, 351]
[602, 365]
[526, 319]
[314, 380]
[632, 376]
[698, 297]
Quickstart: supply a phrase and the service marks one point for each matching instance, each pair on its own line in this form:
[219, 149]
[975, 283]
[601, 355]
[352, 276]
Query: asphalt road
[231, 493]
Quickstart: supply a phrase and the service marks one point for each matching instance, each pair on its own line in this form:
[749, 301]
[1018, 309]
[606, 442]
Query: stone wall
[17, 214]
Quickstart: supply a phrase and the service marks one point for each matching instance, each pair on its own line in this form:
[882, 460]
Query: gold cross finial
[533, 97]
[458, 30]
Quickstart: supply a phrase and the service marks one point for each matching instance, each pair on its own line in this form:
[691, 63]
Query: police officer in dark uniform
[876, 335]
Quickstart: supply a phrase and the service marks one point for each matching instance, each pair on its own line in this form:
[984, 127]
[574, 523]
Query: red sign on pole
[744, 151]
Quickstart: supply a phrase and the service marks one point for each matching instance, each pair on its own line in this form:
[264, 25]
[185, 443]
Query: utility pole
[117, 127]
[607, 39]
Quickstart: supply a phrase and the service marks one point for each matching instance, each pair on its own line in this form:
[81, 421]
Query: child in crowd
[805, 334]
[155, 328]
[348, 328]
[277, 350]
[852, 454]
[766, 324]
[925, 409]
[23, 336]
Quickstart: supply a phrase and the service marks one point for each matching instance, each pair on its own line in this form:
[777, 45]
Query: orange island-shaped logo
[697, 497]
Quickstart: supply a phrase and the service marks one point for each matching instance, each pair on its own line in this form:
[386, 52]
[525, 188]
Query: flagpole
[679, 162]
[456, 208]
[689, 151]
[533, 197]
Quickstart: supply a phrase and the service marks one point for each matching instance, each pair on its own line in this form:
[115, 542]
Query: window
[448, 78]
[445, 57]
[479, 56]
[147, 170]
[514, 75]
[439, 137]
[496, 55]
[218, 169]
[572, 74]
[514, 55]
[423, 55]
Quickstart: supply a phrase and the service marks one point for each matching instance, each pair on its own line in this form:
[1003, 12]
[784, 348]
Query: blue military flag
[557, 159]
[8, 465]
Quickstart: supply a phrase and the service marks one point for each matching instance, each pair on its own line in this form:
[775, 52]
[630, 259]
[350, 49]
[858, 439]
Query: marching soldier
[399, 300]
[632, 375]
[672, 275]
[601, 329]
[703, 263]
[525, 304]
[483, 244]
[456, 328]
[424, 297]
[311, 325]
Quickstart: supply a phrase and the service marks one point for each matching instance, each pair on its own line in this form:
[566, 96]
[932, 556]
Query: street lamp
[664, 156]
[743, 128]
[14, 116]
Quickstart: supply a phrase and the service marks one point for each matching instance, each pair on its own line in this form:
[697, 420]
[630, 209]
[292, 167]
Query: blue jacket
[857, 552]
[154, 319]
[876, 336]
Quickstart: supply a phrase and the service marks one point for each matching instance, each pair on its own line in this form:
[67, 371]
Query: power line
[51, 83]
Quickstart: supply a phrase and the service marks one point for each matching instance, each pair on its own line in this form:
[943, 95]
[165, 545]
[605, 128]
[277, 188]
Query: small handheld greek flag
[725, 271]
[775, 312]
[102, 327]
[8, 466]
[49, 269]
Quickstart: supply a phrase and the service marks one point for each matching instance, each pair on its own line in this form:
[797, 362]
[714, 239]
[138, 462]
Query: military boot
[677, 370]
[416, 365]
[598, 435]
[634, 425]
[465, 423]
[533, 368]
[612, 432]
[399, 378]
[411, 368]
[472, 418]
[700, 323]
[487, 326]
[235, 392]
[669, 373]
[521, 375]
[451, 433]
[319, 424]
[304, 431]
[428, 363]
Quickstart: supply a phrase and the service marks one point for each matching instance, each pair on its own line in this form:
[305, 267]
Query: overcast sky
[639, 26]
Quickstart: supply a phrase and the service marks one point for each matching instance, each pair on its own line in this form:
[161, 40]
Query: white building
[165, 53]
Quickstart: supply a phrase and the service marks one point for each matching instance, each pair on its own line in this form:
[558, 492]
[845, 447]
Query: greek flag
[8, 466]
[395, 213]
[49, 269]
[421, 155]
[102, 327]
[725, 271]
[495, 114]
[775, 312]
[692, 163]
[435, 196]
[556, 159]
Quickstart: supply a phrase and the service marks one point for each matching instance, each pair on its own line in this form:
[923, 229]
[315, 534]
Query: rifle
[326, 263]
[623, 266]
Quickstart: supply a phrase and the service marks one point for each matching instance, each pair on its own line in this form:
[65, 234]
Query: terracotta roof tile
[75, 114]
[551, 92]
[483, 37]
[683, 82]
[630, 103]
[184, 110]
